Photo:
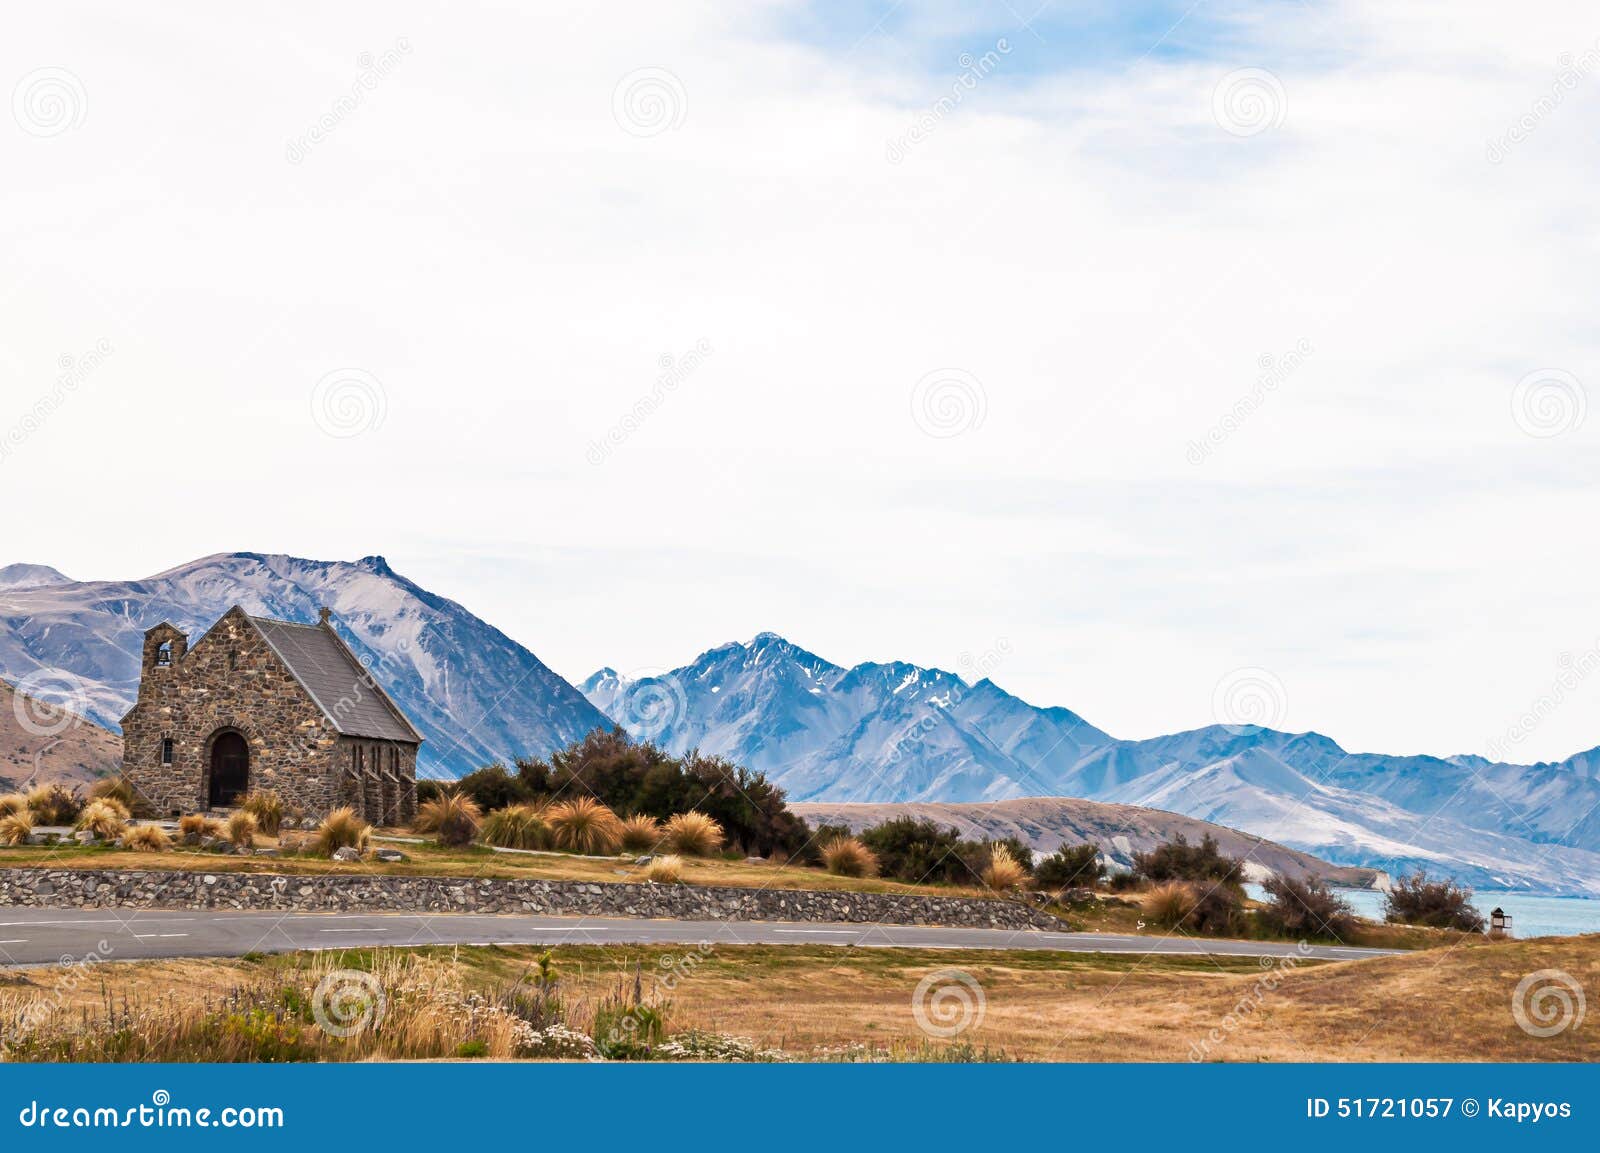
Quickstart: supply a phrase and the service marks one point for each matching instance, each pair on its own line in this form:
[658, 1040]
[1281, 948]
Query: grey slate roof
[330, 672]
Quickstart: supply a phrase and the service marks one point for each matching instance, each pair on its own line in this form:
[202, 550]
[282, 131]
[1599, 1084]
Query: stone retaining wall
[149, 889]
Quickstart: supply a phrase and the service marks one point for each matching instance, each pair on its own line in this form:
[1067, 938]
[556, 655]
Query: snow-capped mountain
[900, 733]
[477, 695]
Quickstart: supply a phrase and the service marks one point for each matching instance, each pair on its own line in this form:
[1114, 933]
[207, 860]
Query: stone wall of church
[231, 679]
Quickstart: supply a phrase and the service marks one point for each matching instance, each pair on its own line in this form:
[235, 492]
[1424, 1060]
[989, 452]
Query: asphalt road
[49, 936]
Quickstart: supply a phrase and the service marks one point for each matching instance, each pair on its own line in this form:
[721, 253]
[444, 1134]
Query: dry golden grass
[640, 833]
[146, 839]
[1447, 1005]
[15, 827]
[267, 808]
[848, 857]
[341, 829]
[693, 834]
[105, 818]
[584, 825]
[241, 829]
[194, 826]
[13, 803]
[517, 827]
[1004, 872]
[453, 818]
[665, 870]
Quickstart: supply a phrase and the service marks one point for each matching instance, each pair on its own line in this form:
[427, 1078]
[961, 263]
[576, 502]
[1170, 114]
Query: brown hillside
[80, 752]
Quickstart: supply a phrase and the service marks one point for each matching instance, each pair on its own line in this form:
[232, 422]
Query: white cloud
[480, 236]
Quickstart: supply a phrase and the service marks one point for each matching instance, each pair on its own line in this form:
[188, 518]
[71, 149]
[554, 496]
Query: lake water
[1531, 915]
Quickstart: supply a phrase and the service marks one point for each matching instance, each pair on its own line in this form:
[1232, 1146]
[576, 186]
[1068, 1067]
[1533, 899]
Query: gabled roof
[346, 692]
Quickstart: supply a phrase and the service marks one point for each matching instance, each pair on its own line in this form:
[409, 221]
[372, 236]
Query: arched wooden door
[230, 769]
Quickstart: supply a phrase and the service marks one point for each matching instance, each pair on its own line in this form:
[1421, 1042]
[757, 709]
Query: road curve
[31, 936]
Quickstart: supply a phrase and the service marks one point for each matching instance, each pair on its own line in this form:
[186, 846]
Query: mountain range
[475, 693]
[902, 733]
[874, 733]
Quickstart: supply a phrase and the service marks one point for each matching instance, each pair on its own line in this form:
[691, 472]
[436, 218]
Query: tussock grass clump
[13, 803]
[848, 857]
[585, 826]
[1004, 872]
[665, 870]
[640, 833]
[242, 829]
[452, 817]
[194, 827]
[1169, 903]
[54, 805]
[693, 834]
[267, 808]
[146, 839]
[105, 818]
[341, 829]
[517, 827]
[15, 827]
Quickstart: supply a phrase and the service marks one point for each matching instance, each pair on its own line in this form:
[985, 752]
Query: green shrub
[1416, 900]
[909, 849]
[1071, 867]
[1306, 908]
[494, 787]
[1178, 860]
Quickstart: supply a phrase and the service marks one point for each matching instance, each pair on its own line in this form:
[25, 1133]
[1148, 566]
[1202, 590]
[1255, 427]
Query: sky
[1169, 362]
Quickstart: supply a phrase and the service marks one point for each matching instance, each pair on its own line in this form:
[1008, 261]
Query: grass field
[826, 1003]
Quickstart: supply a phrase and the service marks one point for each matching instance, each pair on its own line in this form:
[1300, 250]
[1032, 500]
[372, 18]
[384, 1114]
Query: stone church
[258, 703]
